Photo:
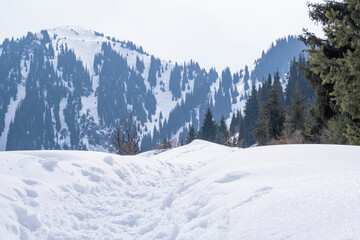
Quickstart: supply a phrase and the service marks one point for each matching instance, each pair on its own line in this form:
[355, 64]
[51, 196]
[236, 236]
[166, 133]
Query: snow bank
[198, 191]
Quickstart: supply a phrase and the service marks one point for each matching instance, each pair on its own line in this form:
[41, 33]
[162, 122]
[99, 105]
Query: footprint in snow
[264, 189]
[49, 164]
[109, 160]
[31, 193]
[30, 182]
[93, 177]
[29, 221]
[230, 177]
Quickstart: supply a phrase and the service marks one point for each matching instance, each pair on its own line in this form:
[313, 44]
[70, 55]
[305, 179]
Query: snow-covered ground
[198, 191]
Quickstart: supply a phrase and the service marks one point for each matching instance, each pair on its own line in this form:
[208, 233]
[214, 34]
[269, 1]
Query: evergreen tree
[233, 123]
[236, 78]
[208, 130]
[192, 135]
[292, 79]
[296, 76]
[223, 132]
[264, 90]
[251, 113]
[276, 112]
[296, 118]
[278, 87]
[334, 65]
[184, 79]
[174, 82]
[152, 72]
[226, 79]
[241, 128]
[246, 78]
[139, 65]
[261, 132]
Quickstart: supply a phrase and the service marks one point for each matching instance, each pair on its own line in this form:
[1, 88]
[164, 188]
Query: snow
[198, 191]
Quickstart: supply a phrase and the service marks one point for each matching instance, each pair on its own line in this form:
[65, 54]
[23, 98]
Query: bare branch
[125, 139]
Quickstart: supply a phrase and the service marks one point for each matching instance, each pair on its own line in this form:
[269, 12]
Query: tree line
[320, 103]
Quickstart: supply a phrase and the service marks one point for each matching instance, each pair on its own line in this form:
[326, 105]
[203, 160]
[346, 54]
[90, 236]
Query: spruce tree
[192, 135]
[152, 72]
[251, 112]
[261, 132]
[334, 65]
[233, 123]
[278, 87]
[208, 130]
[296, 118]
[139, 65]
[174, 82]
[246, 78]
[275, 111]
[223, 132]
[241, 130]
[292, 79]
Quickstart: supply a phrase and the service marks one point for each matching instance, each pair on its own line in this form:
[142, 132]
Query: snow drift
[198, 191]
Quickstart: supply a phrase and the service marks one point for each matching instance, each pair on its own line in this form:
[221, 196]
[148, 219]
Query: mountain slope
[200, 191]
[66, 88]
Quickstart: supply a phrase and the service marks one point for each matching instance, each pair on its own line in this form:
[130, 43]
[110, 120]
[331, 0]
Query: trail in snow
[198, 191]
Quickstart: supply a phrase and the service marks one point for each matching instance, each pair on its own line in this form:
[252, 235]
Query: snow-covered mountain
[65, 88]
[198, 191]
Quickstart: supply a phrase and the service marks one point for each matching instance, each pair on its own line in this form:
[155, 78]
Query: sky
[216, 33]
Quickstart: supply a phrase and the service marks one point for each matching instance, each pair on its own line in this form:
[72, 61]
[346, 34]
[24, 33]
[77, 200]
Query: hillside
[198, 191]
[66, 88]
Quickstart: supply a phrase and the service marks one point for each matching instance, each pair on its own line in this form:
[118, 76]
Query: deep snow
[198, 191]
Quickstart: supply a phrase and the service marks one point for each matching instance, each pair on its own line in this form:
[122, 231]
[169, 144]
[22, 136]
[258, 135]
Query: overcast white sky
[215, 33]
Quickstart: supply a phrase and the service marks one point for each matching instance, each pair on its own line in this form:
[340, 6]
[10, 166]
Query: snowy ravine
[198, 191]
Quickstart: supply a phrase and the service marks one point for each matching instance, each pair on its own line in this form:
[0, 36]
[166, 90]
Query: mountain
[67, 87]
[198, 191]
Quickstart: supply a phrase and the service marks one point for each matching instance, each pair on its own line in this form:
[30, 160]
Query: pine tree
[208, 130]
[226, 79]
[334, 65]
[246, 78]
[233, 123]
[251, 112]
[192, 135]
[139, 65]
[296, 76]
[261, 132]
[296, 118]
[223, 132]
[292, 79]
[174, 82]
[241, 128]
[278, 87]
[275, 111]
[152, 72]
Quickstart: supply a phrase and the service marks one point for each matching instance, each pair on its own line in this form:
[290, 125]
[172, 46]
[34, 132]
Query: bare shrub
[125, 139]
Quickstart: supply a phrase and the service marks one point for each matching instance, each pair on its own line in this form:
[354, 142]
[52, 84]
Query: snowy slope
[86, 45]
[198, 191]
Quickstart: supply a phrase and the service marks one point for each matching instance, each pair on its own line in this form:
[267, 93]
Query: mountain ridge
[168, 100]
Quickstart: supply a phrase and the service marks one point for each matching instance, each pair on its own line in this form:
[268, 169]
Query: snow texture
[198, 191]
